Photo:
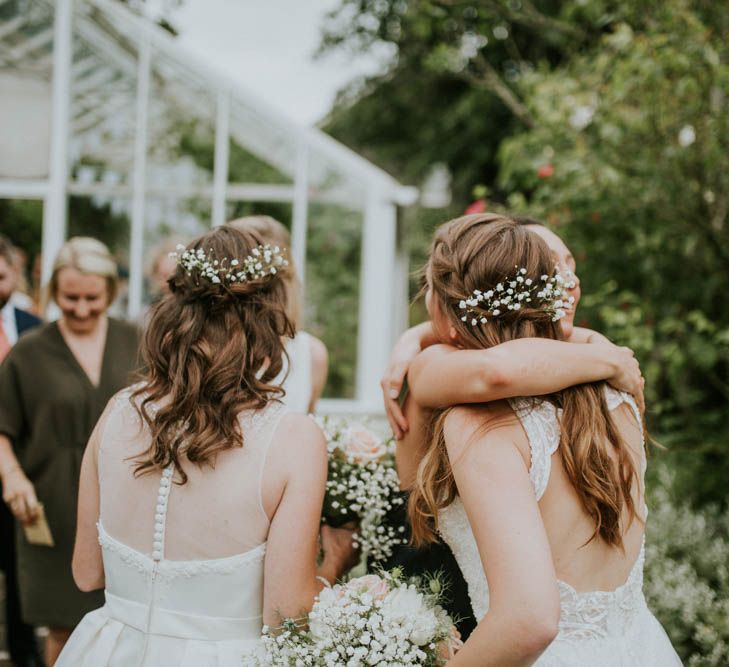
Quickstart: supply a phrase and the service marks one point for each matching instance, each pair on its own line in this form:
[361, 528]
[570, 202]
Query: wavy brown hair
[477, 252]
[210, 351]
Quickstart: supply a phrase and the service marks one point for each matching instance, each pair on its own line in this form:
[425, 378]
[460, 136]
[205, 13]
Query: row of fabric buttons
[160, 513]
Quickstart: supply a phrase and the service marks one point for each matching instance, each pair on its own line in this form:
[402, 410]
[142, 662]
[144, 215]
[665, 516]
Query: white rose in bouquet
[408, 606]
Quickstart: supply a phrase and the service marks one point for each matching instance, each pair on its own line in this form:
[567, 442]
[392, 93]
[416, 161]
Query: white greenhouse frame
[384, 279]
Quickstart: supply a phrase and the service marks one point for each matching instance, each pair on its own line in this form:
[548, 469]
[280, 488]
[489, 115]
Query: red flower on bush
[479, 206]
[545, 171]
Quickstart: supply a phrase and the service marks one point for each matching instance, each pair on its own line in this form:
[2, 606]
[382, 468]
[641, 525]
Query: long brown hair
[477, 252]
[210, 351]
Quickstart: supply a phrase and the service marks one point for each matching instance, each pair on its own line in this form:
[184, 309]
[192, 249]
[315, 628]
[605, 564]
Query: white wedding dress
[183, 563]
[596, 629]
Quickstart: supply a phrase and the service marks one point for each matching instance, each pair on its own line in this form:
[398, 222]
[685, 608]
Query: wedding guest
[14, 322]
[161, 266]
[308, 358]
[54, 384]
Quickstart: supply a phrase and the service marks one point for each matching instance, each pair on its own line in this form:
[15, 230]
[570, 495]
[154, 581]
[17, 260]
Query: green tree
[608, 119]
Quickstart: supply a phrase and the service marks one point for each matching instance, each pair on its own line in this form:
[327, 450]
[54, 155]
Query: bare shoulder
[319, 352]
[300, 440]
[491, 426]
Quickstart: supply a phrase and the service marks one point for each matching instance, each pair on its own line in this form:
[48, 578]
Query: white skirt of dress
[100, 641]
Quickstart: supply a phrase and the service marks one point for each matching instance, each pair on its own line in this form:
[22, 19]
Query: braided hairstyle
[210, 351]
[476, 252]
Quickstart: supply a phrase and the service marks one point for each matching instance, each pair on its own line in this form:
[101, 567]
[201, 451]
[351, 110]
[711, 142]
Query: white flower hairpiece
[263, 261]
[513, 293]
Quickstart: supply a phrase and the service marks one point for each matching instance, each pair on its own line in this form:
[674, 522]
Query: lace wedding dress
[183, 563]
[598, 628]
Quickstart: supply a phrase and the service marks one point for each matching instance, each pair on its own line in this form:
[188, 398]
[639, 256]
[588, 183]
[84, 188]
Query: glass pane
[26, 68]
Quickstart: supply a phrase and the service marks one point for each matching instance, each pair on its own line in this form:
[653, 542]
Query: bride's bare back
[584, 563]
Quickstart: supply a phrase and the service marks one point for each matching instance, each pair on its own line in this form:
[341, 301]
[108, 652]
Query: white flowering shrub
[362, 487]
[687, 576]
[372, 620]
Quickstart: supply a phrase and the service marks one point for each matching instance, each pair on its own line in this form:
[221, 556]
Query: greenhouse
[166, 147]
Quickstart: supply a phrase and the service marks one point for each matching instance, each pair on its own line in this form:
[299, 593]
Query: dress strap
[275, 413]
[540, 421]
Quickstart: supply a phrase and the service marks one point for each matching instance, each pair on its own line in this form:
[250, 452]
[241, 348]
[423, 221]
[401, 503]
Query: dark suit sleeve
[11, 409]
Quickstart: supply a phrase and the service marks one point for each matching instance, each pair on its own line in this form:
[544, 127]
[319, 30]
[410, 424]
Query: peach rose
[362, 445]
[371, 584]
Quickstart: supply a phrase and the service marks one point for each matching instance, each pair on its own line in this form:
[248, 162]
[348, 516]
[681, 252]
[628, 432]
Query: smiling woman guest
[54, 385]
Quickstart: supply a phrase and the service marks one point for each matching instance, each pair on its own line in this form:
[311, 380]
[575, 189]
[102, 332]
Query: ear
[452, 333]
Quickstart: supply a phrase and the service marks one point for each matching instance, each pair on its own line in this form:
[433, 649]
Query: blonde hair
[88, 256]
[477, 252]
[276, 233]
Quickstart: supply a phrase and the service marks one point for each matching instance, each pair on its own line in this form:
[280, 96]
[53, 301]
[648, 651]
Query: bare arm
[319, 370]
[87, 564]
[290, 579]
[443, 375]
[494, 486]
[408, 346]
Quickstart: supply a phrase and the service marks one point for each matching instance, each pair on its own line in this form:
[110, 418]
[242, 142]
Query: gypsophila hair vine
[547, 293]
[263, 261]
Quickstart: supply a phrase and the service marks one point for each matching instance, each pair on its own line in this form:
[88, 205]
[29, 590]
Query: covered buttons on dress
[160, 513]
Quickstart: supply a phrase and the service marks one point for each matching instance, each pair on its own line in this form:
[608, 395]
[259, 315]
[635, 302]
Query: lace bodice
[583, 615]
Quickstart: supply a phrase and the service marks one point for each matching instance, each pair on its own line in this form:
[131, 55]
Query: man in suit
[14, 322]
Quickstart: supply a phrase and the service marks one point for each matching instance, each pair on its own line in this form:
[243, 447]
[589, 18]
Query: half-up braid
[476, 252]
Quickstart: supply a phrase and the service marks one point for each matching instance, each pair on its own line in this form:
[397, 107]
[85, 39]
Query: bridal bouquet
[362, 486]
[372, 620]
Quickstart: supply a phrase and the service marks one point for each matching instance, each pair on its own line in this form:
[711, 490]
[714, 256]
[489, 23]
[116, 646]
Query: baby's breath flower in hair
[263, 261]
[547, 293]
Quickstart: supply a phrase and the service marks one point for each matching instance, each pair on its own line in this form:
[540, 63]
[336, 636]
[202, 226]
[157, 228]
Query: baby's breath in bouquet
[372, 620]
[362, 487]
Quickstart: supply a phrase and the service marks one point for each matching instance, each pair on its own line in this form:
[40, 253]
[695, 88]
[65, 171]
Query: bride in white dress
[200, 495]
[541, 500]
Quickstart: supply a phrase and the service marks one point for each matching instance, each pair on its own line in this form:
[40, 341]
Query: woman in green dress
[54, 385]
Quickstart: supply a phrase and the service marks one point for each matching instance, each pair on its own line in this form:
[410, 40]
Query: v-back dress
[183, 563]
[596, 628]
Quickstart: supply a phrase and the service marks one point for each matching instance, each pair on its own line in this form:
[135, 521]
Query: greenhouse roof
[106, 45]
